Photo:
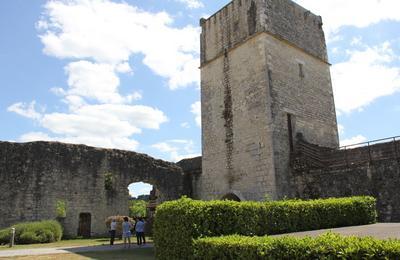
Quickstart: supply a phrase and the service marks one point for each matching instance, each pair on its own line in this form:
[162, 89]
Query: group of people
[127, 229]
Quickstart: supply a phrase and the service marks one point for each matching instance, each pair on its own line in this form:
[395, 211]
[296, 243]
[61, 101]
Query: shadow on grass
[114, 252]
[137, 253]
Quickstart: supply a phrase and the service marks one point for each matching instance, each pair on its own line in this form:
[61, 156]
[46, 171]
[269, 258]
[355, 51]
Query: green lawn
[72, 243]
[137, 254]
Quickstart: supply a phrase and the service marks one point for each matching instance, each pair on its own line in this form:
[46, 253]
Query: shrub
[326, 246]
[29, 237]
[4, 236]
[178, 222]
[119, 220]
[33, 232]
[61, 209]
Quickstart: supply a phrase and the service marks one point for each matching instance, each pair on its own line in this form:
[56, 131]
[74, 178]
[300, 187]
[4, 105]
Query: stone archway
[34, 176]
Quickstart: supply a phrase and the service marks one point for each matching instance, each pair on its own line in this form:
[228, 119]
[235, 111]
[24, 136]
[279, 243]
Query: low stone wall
[373, 170]
[35, 176]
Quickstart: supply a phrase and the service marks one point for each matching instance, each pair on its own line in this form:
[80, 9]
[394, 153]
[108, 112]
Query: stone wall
[34, 176]
[370, 170]
[300, 87]
[236, 125]
[192, 172]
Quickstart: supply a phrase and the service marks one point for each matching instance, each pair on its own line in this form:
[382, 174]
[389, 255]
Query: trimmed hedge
[326, 246]
[46, 231]
[178, 222]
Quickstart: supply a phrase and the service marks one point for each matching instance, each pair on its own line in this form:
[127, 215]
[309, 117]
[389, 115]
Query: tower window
[301, 71]
[290, 132]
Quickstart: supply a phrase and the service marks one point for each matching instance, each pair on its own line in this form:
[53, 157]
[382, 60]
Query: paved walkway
[65, 250]
[379, 230]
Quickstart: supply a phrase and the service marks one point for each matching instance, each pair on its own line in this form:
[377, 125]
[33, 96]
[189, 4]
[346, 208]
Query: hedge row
[178, 222]
[33, 232]
[326, 246]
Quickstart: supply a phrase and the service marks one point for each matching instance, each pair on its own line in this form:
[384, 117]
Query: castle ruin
[268, 129]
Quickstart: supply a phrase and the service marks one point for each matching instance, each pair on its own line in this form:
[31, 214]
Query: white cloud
[110, 33]
[124, 68]
[139, 188]
[341, 129]
[185, 125]
[192, 4]
[106, 125]
[353, 140]
[74, 102]
[364, 77]
[196, 110]
[134, 96]
[35, 136]
[93, 80]
[25, 110]
[97, 141]
[356, 41]
[176, 149]
[358, 13]
[100, 37]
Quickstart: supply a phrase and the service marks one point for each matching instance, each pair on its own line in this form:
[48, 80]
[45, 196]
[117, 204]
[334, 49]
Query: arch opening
[140, 195]
[143, 199]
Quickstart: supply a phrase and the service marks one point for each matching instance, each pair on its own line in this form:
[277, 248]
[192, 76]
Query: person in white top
[126, 231]
[113, 227]
[139, 228]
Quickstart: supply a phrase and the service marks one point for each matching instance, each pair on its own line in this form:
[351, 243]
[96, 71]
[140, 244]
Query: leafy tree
[137, 208]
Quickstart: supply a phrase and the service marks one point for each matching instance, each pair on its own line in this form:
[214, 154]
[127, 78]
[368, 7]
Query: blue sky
[123, 74]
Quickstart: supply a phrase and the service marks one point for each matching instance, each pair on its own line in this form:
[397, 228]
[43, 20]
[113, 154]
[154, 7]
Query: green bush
[178, 222]
[326, 246]
[33, 232]
[4, 236]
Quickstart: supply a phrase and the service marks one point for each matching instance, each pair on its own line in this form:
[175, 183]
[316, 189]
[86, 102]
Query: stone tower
[264, 78]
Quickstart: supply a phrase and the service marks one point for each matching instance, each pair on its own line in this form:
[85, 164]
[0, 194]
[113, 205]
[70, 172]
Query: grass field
[136, 254]
[71, 243]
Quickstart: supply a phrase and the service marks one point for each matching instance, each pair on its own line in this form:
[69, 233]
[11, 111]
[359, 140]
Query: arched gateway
[38, 178]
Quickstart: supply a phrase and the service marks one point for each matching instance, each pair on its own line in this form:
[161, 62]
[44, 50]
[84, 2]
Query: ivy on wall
[61, 209]
[109, 181]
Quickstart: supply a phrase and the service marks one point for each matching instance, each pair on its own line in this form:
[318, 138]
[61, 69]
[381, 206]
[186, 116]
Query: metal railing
[353, 154]
[368, 143]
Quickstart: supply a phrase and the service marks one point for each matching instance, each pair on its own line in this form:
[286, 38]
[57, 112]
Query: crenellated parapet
[241, 20]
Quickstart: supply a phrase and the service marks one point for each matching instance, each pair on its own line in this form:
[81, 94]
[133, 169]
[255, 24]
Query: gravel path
[379, 230]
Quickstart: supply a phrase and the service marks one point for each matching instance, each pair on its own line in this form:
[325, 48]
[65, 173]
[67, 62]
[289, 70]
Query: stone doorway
[85, 221]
